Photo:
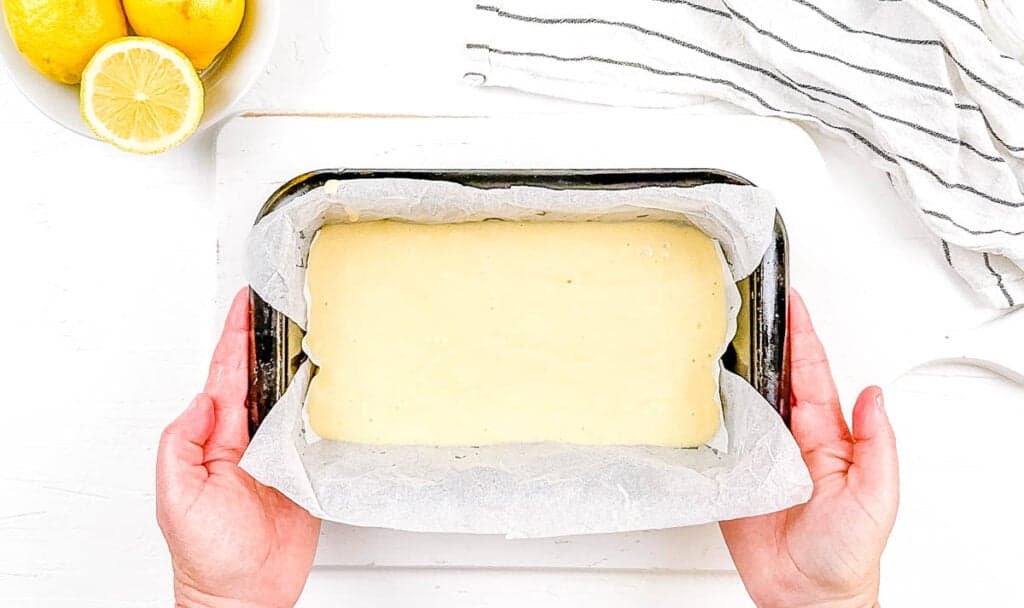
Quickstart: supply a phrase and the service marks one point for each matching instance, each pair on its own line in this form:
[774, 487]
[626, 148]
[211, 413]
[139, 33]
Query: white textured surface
[108, 333]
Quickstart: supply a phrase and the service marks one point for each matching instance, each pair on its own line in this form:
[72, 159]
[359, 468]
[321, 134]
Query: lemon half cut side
[141, 95]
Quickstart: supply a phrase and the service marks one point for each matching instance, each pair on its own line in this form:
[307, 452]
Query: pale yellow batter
[497, 332]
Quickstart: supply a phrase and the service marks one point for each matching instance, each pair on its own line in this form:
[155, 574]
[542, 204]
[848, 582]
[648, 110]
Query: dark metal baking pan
[758, 353]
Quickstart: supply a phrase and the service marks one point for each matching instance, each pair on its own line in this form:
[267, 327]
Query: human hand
[233, 542]
[826, 552]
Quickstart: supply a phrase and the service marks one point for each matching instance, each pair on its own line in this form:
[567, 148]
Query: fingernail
[880, 411]
[185, 413]
[193, 405]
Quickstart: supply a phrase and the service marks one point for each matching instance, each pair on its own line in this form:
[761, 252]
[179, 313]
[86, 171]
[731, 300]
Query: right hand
[824, 553]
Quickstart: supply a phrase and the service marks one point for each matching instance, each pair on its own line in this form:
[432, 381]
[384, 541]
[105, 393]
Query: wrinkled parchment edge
[714, 487]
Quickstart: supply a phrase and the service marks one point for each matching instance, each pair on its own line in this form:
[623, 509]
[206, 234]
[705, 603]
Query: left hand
[233, 541]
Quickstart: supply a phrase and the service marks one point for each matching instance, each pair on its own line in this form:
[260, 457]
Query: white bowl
[230, 76]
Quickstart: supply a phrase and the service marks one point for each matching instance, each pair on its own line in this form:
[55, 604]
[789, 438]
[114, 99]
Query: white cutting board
[861, 266]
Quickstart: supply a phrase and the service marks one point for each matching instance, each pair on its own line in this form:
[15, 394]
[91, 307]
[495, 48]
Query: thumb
[874, 474]
[180, 471]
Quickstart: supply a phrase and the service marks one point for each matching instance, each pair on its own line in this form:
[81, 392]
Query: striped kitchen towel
[931, 91]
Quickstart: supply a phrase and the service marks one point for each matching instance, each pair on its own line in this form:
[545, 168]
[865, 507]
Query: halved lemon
[141, 95]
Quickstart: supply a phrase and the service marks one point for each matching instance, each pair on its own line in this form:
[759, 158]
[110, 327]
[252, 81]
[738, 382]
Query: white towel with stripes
[931, 91]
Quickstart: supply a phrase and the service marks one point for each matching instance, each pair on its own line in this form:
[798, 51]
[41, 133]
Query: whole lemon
[199, 28]
[59, 37]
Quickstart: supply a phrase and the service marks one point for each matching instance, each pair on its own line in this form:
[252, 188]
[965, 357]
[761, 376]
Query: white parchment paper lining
[522, 490]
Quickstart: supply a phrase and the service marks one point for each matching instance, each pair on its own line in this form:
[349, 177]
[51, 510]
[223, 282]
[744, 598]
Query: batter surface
[496, 332]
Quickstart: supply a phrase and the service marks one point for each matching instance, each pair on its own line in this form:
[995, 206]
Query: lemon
[58, 37]
[141, 95]
[199, 28]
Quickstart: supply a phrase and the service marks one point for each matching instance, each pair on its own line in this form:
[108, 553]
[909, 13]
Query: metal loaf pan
[758, 353]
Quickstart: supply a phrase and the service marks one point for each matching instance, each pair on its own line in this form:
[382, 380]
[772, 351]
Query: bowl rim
[258, 56]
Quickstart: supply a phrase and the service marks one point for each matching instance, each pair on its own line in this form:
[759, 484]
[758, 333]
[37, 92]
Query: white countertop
[108, 292]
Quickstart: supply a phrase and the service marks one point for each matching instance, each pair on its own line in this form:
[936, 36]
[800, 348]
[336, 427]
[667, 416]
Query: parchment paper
[752, 466]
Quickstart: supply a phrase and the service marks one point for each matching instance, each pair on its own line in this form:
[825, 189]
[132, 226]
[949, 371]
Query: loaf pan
[758, 353]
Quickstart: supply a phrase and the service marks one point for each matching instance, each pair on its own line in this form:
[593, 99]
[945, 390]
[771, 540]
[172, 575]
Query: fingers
[179, 460]
[817, 419]
[811, 375]
[228, 384]
[874, 475]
